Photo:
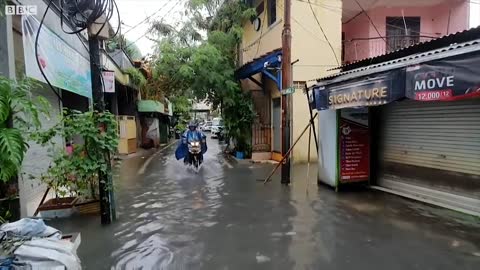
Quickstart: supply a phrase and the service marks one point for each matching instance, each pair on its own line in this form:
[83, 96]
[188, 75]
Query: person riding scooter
[189, 136]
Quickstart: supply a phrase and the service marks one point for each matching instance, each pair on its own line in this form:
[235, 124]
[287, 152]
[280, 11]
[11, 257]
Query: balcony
[361, 48]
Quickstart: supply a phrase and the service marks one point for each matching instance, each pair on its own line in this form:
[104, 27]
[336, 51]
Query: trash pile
[30, 244]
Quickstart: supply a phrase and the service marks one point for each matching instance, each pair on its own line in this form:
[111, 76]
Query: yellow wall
[308, 45]
[316, 57]
[267, 39]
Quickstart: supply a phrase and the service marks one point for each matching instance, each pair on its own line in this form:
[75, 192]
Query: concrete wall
[436, 21]
[308, 45]
[7, 64]
[316, 57]
[37, 159]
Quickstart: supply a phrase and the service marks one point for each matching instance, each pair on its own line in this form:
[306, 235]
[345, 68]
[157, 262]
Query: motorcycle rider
[191, 134]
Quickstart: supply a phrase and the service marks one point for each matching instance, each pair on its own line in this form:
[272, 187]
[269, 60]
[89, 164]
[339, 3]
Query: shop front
[409, 126]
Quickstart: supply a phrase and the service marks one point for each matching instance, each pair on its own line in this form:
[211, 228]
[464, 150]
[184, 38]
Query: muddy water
[222, 218]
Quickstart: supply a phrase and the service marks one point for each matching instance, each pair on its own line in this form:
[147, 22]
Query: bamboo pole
[268, 179]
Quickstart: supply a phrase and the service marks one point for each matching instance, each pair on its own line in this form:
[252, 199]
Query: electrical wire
[373, 24]
[75, 10]
[323, 32]
[81, 14]
[149, 30]
[147, 18]
[261, 33]
[36, 52]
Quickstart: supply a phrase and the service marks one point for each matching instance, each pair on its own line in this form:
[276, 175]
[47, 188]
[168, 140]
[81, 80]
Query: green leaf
[12, 145]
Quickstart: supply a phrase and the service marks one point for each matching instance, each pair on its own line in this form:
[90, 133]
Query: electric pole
[286, 83]
[99, 105]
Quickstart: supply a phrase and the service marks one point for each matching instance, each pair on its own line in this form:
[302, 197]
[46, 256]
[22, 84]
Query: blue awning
[263, 64]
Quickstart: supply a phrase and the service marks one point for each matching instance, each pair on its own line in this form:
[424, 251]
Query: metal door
[433, 145]
[277, 125]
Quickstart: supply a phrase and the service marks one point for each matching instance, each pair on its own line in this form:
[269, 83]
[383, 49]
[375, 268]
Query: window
[260, 8]
[402, 32]
[272, 11]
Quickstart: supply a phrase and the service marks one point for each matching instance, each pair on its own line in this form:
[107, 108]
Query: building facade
[66, 61]
[401, 113]
[260, 68]
[372, 28]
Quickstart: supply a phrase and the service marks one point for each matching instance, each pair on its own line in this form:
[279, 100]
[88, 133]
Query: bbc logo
[20, 10]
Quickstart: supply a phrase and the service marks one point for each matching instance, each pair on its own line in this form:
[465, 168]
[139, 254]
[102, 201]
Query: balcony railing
[361, 48]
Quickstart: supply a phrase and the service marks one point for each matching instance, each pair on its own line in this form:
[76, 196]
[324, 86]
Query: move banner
[374, 90]
[63, 66]
[446, 79]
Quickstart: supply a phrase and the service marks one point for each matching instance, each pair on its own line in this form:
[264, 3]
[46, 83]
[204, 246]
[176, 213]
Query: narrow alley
[222, 218]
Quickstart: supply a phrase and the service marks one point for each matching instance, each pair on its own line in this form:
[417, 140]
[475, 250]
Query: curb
[272, 162]
[158, 151]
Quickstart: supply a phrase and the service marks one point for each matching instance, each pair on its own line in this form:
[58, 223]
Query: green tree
[206, 68]
[120, 42]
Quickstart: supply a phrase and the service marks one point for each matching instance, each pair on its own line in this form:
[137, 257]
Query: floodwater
[170, 217]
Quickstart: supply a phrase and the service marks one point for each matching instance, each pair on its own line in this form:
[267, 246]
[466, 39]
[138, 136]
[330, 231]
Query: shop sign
[444, 80]
[108, 80]
[372, 91]
[354, 146]
[63, 66]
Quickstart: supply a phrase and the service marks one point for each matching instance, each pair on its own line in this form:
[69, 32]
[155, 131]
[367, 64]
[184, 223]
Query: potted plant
[19, 117]
[73, 175]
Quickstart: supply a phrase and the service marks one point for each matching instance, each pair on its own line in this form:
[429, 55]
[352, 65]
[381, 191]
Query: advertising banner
[446, 79]
[374, 90]
[64, 67]
[108, 81]
[354, 145]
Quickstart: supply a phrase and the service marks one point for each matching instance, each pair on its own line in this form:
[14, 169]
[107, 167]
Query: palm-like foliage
[19, 115]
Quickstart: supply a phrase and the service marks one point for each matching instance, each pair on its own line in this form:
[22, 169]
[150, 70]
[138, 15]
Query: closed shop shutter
[434, 145]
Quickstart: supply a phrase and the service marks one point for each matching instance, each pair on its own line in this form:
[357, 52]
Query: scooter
[195, 156]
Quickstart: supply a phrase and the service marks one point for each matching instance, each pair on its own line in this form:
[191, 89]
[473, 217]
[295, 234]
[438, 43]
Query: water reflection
[163, 218]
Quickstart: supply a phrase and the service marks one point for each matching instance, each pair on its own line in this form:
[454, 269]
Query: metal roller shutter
[443, 135]
[435, 143]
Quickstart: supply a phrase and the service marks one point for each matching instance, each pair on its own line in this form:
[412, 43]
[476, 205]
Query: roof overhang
[257, 65]
[445, 52]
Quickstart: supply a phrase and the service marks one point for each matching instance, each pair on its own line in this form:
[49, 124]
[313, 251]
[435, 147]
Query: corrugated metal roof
[262, 56]
[459, 37]
[451, 49]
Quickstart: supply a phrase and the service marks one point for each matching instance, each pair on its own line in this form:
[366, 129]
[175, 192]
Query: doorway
[277, 125]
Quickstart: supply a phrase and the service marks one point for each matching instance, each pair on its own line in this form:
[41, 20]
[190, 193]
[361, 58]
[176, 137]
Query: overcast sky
[132, 12]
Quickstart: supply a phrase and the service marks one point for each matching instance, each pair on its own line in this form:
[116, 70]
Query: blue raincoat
[188, 136]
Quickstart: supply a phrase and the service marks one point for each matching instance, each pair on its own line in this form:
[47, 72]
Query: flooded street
[222, 218]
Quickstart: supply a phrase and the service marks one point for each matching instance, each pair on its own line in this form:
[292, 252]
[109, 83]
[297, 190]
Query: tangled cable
[84, 13]
[80, 14]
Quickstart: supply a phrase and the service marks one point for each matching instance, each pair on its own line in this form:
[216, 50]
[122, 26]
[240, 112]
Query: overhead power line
[373, 24]
[147, 18]
[323, 32]
[148, 31]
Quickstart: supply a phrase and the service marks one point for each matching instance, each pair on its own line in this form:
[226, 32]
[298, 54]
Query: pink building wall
[434, 22]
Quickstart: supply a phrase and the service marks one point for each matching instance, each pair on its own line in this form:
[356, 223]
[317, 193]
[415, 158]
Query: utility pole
[99, 105]
[286, 82]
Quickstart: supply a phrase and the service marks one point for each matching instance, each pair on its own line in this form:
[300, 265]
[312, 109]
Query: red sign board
[354, 146]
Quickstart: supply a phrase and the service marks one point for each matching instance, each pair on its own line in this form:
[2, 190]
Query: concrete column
[7, 56]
